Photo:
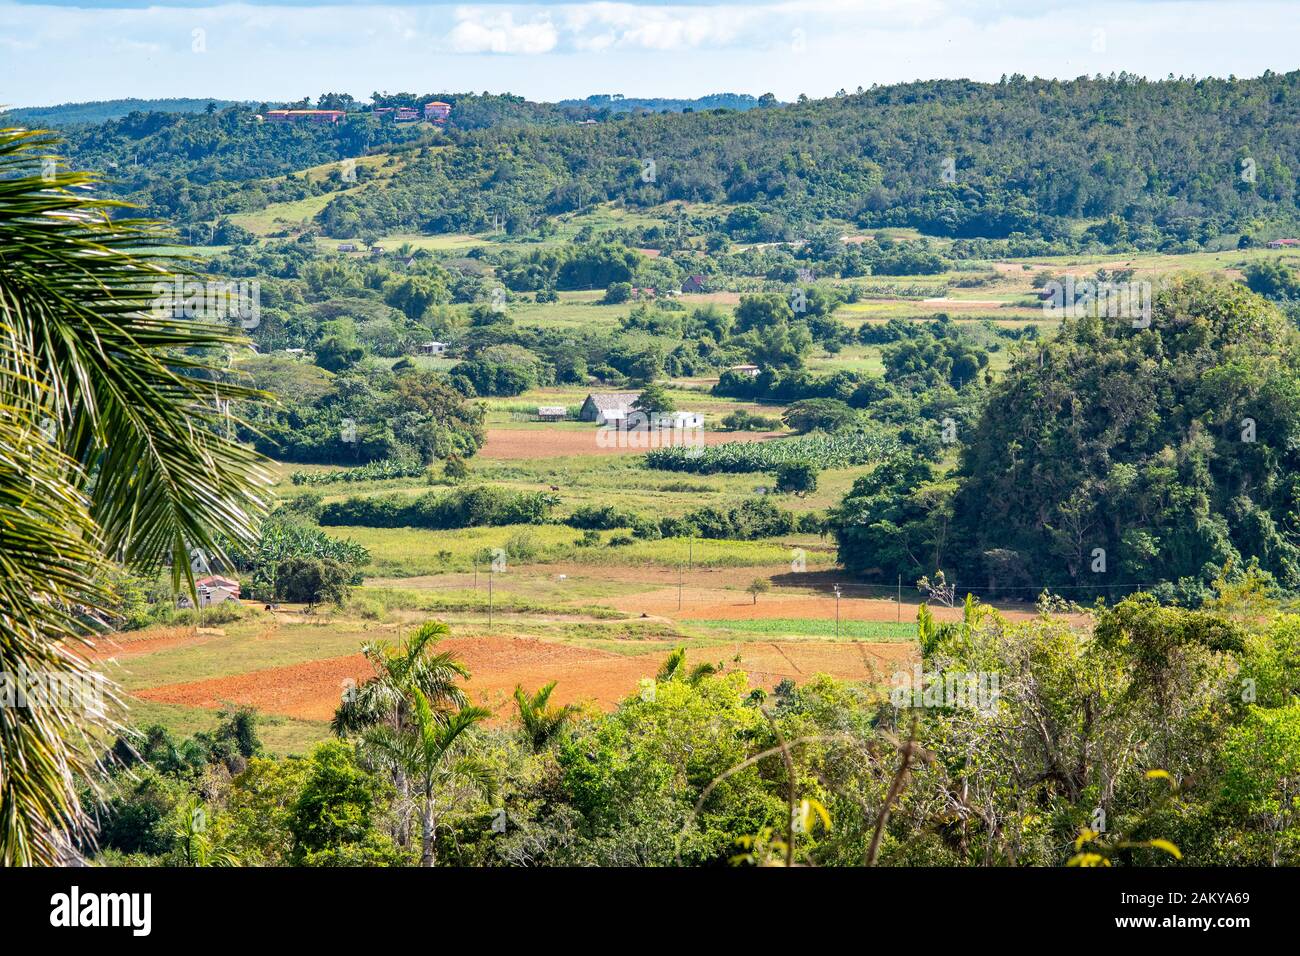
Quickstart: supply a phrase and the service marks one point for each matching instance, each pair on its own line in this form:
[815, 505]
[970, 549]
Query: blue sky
[70, 50]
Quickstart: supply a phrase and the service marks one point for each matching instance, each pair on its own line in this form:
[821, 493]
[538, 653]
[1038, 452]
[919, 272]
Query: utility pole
[489, 600]
[680, 581]
[691, 552]
[899, 613]
[837, 612]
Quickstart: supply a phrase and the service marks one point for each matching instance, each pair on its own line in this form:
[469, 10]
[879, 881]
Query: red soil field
[312, 690]
[133, 643]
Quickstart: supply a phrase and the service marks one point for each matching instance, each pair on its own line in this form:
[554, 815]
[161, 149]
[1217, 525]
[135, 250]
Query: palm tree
[386, 699]
[400, 669]
[430, 750]
[541, 722]
[112, 447]
[194, 845]
[673, 666]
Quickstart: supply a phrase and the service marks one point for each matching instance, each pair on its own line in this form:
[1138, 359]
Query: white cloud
[488, 31]
[602, 26]
[550, 51]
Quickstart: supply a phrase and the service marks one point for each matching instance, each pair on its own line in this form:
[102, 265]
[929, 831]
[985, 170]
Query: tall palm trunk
[428, 828]
[402, 785]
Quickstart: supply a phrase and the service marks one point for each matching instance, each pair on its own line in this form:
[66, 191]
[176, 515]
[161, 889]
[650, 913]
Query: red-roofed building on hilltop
[437, 111]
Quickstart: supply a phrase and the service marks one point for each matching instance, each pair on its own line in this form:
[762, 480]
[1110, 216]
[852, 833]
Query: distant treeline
[98, 111]
[750, 520]
[605, 103]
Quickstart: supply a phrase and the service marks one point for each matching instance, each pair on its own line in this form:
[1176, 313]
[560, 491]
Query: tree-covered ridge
[97, 111]
[1149, 161]
[1112, 457]
[610, 103]
[1139, 163]
[194, 167]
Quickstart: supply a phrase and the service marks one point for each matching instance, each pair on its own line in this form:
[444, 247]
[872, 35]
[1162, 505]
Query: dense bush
[1111, 458]
[599, 518]
[482, 505]
[796, 477]
[743, 421]
[750, 520]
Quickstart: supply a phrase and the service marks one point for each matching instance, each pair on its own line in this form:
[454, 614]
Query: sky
[59, 51]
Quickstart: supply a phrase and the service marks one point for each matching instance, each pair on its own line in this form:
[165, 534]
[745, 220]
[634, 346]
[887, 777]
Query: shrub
[618, 292]
[522, 546]
[743, 421]
[797, 477]
[312, 580]
[454, 469]
[600, 518]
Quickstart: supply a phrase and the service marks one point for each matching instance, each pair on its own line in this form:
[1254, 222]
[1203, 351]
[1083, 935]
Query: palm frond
[135, 396]
[541, 722]
[134, 466]
[673, 666]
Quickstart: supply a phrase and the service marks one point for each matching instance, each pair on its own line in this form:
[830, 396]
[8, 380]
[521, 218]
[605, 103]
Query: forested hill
[655, 104]
[1174, 159]
[101, 110]
[1134, 162]
[193, 168]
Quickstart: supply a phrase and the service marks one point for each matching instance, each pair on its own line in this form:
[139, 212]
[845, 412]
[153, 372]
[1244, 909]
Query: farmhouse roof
[218, 581]
[612, 401]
